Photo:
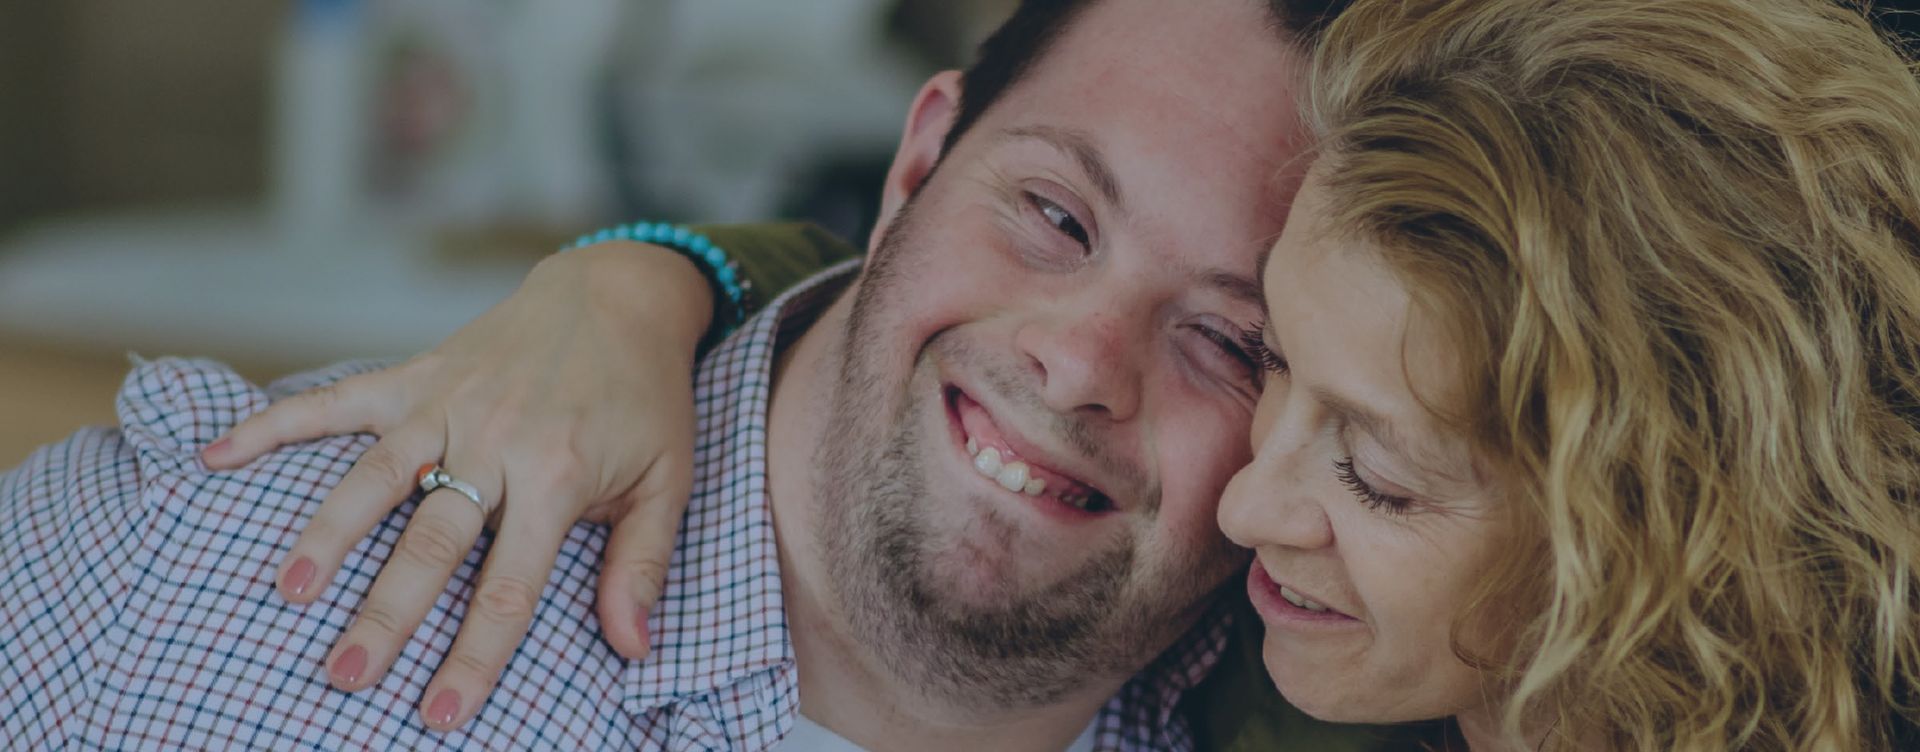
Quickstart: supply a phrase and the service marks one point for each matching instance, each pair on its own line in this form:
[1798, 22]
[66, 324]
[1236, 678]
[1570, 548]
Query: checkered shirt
[137, 608]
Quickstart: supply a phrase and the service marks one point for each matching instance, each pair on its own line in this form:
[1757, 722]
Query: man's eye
[1230, 346]
[1062, 220]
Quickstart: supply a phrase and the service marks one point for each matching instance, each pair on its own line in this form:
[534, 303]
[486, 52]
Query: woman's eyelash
[1263, 356]
[1375, 501]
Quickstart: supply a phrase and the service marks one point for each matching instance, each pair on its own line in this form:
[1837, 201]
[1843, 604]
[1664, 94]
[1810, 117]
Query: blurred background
[285, 184]
[282, 185]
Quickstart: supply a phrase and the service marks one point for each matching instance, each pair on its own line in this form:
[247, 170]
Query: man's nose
[1088, 360]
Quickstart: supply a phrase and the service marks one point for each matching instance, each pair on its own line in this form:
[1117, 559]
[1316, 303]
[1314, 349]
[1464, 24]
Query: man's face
[1043, 388]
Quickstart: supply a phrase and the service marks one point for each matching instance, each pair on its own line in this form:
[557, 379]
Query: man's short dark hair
[1025, 37]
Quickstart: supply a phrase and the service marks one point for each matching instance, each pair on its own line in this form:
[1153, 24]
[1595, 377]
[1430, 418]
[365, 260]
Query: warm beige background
[47, 391]
[53, 392]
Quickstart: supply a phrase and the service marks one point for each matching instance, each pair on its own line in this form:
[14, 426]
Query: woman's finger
[438, 537]
[634, 570]
[383, 477]
[365, 402]
[517, 569]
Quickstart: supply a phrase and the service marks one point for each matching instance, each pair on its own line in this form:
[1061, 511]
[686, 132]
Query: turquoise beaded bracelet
[720, 269]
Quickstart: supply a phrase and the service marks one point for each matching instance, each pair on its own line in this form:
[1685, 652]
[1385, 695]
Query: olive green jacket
[1236, 708]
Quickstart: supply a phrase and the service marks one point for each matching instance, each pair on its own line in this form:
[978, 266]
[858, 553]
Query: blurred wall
[106, 103]
[24, 54]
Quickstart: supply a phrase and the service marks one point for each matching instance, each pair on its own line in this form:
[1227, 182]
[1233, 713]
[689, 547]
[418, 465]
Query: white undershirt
[808, 736]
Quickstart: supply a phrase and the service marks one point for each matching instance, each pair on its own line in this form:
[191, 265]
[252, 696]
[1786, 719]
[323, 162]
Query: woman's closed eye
[1263, 356]
[1375, 500]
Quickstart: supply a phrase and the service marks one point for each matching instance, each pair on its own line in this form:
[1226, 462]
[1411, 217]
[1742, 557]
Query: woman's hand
[571, 400]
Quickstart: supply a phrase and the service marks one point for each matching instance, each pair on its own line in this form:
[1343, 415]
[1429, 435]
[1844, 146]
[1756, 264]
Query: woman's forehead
[1356, 343]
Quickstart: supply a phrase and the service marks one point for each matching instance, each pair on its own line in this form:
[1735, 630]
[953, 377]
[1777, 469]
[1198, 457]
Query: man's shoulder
[171, 408]
[160, 627]
[124, 556]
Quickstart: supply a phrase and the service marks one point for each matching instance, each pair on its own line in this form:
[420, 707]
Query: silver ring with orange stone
[433, 477]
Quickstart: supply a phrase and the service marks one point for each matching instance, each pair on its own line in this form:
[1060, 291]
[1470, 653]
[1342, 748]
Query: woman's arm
[571, 400]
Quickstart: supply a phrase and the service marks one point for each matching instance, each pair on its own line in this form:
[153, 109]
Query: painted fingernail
[217, 447]
[444, 707]
[350, 665]
[298, 577]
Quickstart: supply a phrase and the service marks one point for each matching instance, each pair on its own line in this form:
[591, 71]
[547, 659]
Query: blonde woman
[1592, 417]
[1595, 414]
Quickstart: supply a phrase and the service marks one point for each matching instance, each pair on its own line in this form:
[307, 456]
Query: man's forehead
[1207, 35]
[1204, 90]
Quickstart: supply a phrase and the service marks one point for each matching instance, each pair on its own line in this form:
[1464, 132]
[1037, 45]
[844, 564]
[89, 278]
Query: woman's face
[1358, 501]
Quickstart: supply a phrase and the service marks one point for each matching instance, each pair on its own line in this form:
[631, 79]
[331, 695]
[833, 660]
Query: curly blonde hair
[1678, 244]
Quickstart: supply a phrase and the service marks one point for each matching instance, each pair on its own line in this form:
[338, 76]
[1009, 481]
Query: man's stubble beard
[1026, 649]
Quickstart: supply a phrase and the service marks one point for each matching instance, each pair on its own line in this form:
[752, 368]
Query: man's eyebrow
[1237, 286]
[1079, 145]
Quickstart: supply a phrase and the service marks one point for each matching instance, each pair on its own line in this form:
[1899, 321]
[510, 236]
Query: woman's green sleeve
[773, 257]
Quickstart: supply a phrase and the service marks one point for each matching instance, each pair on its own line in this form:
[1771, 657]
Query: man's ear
[934, 109]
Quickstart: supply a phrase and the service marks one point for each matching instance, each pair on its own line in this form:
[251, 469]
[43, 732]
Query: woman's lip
[1275, 610]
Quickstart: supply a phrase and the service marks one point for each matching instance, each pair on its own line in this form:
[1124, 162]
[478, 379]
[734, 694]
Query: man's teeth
[1013, 476]
[988, 462]
[1301, 601]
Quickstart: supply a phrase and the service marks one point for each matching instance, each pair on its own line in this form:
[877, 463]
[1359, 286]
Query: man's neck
[842, 686]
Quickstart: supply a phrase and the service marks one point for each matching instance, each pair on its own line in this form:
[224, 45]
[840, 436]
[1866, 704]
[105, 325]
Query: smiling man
[960, 498]
[1035, 391]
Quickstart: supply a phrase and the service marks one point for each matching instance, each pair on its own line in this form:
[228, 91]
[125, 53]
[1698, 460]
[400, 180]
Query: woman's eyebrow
[1382, 430]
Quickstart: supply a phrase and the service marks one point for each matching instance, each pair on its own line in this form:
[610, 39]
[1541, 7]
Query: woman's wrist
[643, 287]
[730, 290]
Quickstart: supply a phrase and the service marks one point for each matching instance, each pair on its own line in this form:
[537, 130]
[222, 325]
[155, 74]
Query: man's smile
[1018, 465]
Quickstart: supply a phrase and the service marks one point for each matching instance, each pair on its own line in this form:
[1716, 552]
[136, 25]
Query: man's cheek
[1203, 438]
[938, 312]
[931, 296]
[1200, 452]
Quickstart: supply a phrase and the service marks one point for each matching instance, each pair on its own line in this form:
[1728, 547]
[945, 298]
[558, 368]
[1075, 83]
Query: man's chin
[974, 578]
